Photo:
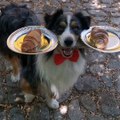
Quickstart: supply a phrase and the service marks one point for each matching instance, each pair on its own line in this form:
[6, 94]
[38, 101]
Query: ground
[95, 96]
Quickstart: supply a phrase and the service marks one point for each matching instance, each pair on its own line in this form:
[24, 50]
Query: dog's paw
[28, 97]
[53, 103]
[55, 92]
[15, 78]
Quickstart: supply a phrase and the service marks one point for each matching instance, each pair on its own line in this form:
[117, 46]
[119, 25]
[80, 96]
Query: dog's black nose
[68, 42]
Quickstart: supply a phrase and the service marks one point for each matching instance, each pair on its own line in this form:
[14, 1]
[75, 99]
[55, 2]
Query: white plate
[113, 43]
[24, 30]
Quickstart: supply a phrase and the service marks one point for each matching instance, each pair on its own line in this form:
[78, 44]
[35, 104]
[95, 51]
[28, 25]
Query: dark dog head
[67, 27]
[14, 17]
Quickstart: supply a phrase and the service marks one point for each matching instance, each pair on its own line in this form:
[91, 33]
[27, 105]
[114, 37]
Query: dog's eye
[61, 27]
[62, 24]
[74, 25]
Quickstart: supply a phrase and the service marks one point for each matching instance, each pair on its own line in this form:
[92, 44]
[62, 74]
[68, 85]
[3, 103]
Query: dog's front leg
[51, 94]
[27, 90]
[15, 62]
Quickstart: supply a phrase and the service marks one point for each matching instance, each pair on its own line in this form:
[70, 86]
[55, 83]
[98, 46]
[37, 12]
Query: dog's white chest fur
[63, 76]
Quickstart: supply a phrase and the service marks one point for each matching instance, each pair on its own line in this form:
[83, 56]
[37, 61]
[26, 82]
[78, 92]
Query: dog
[54, 72]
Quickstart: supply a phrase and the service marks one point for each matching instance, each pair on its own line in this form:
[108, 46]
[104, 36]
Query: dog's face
[67, 27]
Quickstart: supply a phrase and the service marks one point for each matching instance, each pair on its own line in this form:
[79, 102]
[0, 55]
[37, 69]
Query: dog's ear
[85, 20]
[49, 19]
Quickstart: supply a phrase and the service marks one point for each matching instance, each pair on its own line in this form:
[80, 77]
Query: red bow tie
[59, 59]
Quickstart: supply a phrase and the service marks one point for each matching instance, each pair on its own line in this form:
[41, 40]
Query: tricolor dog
[52, 73]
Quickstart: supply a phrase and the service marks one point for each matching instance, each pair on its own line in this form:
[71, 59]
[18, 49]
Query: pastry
[32, 42]
[98, 38]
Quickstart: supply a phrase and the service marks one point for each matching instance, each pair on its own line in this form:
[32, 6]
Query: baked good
[32, 42]
[98, 38]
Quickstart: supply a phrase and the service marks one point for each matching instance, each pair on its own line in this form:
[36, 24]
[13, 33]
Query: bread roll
[31, 41]
[98, 38]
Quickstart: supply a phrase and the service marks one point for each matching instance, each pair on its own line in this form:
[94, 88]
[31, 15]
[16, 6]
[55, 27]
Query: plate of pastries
[32, 40]
[102, 38]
